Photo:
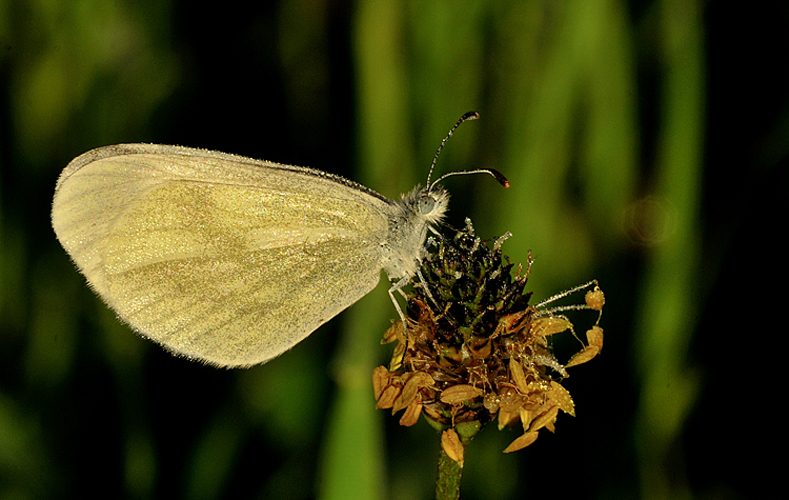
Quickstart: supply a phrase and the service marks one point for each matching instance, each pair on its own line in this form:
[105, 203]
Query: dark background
[646, 144]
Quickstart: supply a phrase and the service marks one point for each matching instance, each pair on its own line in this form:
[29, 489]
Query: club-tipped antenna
[471, 115]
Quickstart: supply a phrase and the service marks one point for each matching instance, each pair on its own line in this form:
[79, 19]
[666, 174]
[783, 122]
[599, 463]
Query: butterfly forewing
[217, 257]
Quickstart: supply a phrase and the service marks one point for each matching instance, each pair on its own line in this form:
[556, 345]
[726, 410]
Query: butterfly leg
[398, 287]
[424, 286]
[428, 243]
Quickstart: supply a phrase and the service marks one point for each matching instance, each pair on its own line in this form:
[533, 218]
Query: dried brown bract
[450, 442]
[475, 350]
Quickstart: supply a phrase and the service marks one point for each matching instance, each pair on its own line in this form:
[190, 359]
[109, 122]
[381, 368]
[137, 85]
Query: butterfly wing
[218, 257]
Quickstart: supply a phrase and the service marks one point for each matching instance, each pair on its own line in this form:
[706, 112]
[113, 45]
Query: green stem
[448, 481]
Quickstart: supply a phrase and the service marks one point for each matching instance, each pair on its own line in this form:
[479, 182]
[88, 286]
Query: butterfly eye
[427, 204]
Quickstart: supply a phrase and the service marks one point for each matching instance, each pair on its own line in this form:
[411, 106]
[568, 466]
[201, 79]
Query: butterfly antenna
[471, 115]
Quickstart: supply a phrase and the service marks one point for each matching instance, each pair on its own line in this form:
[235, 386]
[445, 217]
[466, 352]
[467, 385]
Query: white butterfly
[231, 260]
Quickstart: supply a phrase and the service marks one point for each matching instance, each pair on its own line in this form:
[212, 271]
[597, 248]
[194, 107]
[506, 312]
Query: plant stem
[448, 481]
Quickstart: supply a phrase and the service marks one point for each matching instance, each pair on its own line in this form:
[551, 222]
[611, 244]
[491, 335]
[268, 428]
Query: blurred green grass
[598, 113]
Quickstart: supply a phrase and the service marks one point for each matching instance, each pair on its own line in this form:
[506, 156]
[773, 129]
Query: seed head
[474, 349]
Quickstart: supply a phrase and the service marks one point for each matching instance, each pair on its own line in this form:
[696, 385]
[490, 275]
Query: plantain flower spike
[474, 350]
